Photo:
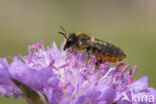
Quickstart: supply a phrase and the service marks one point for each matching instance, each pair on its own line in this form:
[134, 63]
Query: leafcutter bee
[83, 42]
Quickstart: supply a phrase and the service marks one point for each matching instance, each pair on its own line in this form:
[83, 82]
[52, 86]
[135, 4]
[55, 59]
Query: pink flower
[46, 71]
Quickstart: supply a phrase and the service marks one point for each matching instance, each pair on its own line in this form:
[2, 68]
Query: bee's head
[70, 39]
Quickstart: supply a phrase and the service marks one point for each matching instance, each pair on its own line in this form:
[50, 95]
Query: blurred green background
[129, 24]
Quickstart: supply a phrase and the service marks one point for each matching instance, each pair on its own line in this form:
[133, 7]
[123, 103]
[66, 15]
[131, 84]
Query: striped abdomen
[110, 52]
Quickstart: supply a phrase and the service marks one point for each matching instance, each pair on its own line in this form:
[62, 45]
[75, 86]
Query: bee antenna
[64, 32]
[63, 29]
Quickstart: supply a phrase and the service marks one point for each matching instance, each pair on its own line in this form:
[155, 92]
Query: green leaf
[31, 96]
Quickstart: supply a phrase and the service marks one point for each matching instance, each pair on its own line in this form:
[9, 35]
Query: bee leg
[88, 57]
[71, 51]
[100, 60]
[96, 65]
[68, 55]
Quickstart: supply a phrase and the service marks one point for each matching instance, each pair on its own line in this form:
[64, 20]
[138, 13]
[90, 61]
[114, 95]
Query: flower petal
[139, 85]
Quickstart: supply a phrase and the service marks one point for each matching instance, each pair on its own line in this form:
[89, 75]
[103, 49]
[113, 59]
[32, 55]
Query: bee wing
[92, 44]
[104, 47]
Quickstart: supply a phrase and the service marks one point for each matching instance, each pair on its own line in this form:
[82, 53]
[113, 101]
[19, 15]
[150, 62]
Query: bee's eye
[71, 39]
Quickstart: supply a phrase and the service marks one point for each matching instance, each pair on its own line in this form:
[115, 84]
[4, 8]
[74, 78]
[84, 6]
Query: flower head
[69, 81]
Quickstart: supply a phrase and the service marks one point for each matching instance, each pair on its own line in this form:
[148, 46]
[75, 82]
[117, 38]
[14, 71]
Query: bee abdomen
[112, 54]
[112, 58]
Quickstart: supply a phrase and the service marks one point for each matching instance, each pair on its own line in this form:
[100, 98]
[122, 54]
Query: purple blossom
[69, 81]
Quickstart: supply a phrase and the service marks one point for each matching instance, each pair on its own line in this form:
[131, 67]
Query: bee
[84, 42]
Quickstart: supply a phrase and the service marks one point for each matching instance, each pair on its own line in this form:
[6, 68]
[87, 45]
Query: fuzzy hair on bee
[83, 42]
